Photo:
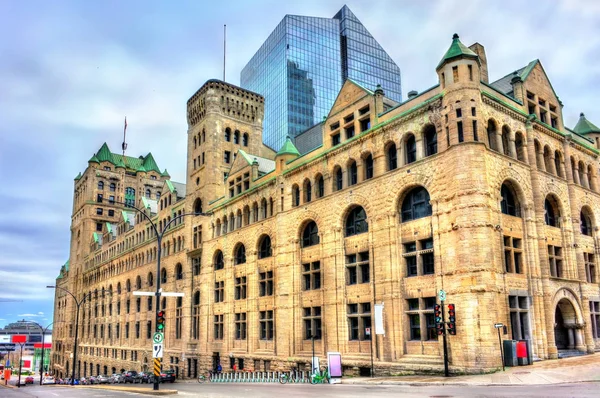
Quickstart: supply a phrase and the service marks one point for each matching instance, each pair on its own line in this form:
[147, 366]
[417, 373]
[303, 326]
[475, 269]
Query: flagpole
[124, 145]
[224, 48]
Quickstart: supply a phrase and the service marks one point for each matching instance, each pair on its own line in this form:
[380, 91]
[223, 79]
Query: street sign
[157, 351]
[498, 325]
[367, 331]
[158, 338]
[442, 295]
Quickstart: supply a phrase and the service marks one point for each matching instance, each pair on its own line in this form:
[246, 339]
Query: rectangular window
[218, 327]
[266, 325]
[265, 283]
[311, 275]
[470, 72]
[349, 118]
[590, 267]
[111, 213]
[543, 116]
[240, 288]
[335, 126]
[219, 291]
[126, 330]
[365, 124]
[349, 132]
[335, 139]
[149, 329]
[99, 198]
[99, 226]
[421, 319]
[554, 121]
[312, 322]
[363, 111]
[555, 260]
[458, 112]
[595, 318]
[531, 108]
[240, 326]
[461, 136]
[455, 74]
[227, 157]
[519, 317]
[475, 132]
[513, 254]
[419, 257]
[99, 211]
[359, 319]
[137, 330]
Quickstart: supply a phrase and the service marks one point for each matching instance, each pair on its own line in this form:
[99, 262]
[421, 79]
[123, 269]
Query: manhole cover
[521, 373]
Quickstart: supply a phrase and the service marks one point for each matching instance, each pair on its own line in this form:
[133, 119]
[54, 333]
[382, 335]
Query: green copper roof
[165, 173]
[104, 154]
[96, 237]
[170, 186]
[67, 265]
[288, 148]
[584, 126]
[119, 161]
[141, 168]
[150, 164]
[93, 159]
[456, 50]
[78, 177]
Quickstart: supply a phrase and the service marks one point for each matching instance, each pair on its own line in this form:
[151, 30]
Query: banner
[379, 329]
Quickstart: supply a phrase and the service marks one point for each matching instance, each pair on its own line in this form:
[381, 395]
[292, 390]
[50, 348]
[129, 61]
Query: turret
[287, 153]
[460, 64]
[588, 129]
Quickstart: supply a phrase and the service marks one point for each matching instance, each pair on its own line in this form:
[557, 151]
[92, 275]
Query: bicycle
[320, 377]
[292, 377]
[202, 378]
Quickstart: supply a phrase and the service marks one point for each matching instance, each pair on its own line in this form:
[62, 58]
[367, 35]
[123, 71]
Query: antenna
[224, 48]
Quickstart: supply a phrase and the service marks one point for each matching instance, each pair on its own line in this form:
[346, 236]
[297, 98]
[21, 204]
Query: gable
[239, 163]
[349, 94]
[537, 82]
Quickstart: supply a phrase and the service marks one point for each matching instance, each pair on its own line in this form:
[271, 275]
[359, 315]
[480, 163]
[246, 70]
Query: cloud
[28, 315]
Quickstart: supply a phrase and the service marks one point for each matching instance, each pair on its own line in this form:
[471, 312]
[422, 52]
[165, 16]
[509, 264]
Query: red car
[29, 380]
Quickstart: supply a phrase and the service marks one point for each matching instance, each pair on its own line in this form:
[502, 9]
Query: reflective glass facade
[301, 66]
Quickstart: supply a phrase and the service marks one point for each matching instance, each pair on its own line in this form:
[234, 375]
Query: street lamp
[159, 237]
[44, 330]
[78, 304]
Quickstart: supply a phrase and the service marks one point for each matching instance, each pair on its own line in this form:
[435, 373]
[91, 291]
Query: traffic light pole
[446, 372]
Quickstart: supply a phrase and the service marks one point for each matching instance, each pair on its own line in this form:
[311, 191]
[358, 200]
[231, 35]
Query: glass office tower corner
[302, 65]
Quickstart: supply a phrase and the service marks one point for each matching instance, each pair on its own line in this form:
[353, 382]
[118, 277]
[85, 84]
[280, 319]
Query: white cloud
[28, 315]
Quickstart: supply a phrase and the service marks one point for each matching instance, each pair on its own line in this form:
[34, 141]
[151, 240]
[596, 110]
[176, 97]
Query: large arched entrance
[568, 332]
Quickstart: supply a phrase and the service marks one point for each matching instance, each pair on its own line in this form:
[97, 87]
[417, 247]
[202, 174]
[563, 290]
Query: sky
[70, 71]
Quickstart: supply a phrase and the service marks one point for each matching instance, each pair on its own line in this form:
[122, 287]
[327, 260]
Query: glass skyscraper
[302, 65]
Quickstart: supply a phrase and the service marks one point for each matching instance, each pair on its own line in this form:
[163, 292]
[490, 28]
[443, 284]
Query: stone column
[571, 334]
[420, 148]
[552, 165]
[579, 345]
[512, 149]
[498, 137]
[539, 158]
[585, 183]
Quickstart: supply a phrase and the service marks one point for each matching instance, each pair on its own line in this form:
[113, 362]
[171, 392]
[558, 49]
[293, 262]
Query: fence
[258, 377]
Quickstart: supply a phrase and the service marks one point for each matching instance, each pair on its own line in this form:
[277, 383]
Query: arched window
[150, 279]
[368, 166]
[338, 178]
[148, 193]
[100, 185]
[265, 247]
[240, 255]
[197, 298]
[245, 139]
[310, 235]
[558, 163]
[228, 134]
[356, 222]
[119, 288]
[416, 204]
[352, 173]
[112, 187]
[296, 195]
[508, 204]
[392, 157]
[178, 272]
[307, 191]
[320, 186]
[203, 136]
[547, 160]
[127, 286]
[195, 142]
[198, 206]
[430, 140]
[236, 137]
[585, 224]
[138, 283]
[218, 260]
[411, 149]
[552, 214]
[163, 275]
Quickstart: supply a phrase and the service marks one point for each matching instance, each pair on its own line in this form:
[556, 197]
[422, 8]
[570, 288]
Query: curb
[136, 390]
[460, 383]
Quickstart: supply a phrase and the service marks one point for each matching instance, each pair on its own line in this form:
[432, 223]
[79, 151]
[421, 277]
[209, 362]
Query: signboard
[379, 329]
[442, 295]
[158, 338]
[157, 351]
[19, 338]
[367, 331]
[4, 339]
[334, 361]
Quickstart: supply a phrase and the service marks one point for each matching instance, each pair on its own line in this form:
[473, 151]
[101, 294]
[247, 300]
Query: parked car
[167, 375]
[146, 377]
[48, 380]
[131, 376]
[84, 381]
[116, 378]
[102, 379]
[29, 380]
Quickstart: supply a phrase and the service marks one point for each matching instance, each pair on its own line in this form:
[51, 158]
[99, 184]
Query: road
[189, 390]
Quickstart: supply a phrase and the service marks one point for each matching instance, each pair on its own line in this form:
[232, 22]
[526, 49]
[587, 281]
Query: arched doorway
[567, 329]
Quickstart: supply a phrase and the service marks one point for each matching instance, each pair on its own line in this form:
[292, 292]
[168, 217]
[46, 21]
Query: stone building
[472, 187]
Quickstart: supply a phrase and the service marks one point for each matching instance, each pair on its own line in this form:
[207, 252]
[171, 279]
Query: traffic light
[451, 319]
[439, 325]
[160, 321]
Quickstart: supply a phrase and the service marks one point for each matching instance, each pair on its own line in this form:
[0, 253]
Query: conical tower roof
[150, 163]
[165, 173]
[93, 159]
[584, 126]
[457, 50]
[104, 154]
[288, 148]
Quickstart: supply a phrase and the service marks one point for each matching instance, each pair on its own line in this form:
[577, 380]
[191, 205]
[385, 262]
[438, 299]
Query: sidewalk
[556, 371]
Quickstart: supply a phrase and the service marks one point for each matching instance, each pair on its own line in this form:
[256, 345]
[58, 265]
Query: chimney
[412, 94]
[483, 69]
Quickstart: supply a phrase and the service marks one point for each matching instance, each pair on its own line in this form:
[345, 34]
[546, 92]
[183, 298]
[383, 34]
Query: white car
[48, 380]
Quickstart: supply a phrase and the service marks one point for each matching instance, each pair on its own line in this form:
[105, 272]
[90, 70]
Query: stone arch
[394, 201]
[492, 131]
[568, 320]
[391, 155]
[355, 220]
[587, 221]
[307, 190]
[343, 209]
[409, 145]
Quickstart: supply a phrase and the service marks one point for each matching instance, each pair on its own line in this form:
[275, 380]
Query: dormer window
[106, 168]
[153, 177]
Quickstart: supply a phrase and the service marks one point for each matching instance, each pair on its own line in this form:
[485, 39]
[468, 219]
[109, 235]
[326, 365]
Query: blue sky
[71, 70]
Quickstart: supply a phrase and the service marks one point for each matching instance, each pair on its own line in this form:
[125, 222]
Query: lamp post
[44, 330]
[159, 237]
[78, 304]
